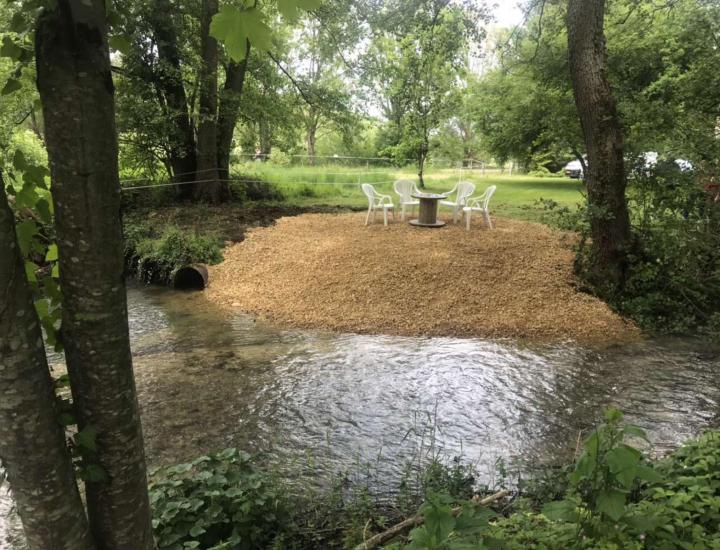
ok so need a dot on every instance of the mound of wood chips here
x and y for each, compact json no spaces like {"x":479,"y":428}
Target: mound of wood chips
{"x":329,"y":271}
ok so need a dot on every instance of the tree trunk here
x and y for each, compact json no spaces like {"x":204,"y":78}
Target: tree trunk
{"x":605,"y":177}
{"x":32,"y":442}
{"x":229,"y":111}
{"x":310,"y":134}
{"x":168,"y":79}
{"x":76,"y":91}
{"x":265,"y":137}
{"x":209,"y":188}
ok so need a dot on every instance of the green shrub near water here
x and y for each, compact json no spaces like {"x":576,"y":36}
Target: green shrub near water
{"x":673,"y":283}
{"x":156,"y":258}
{"x":615,"y":498}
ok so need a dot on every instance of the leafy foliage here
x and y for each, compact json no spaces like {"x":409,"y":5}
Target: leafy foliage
{"x":616,"y":499}
{"x":221,"y":501}
{"x":156,"y":258}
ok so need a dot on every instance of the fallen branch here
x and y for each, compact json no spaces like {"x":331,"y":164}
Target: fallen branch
{"x":415,"y":521}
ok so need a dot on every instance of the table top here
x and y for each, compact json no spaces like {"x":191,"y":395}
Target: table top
{"x":431,"y":196}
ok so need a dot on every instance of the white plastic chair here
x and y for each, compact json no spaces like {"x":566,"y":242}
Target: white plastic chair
{"x":463,"y":190}
{"x":377,"y":200}
{"x":406,"y":188}
{"x":479,"y":204}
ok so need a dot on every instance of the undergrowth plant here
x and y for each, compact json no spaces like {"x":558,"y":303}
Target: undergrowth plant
{"x":157,"y":258}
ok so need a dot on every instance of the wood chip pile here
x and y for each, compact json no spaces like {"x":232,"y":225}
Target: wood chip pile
{"x":330,"y":272}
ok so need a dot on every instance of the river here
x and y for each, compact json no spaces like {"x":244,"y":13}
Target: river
{"x":208,"y":381}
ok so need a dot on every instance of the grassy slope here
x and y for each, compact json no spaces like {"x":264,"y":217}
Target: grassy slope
{"x":516,"y":196}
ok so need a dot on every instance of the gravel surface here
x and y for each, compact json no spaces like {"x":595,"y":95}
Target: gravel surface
{"x":330,"y":272}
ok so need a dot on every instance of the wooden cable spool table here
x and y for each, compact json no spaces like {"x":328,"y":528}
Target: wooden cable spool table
{"x":428,"y":209}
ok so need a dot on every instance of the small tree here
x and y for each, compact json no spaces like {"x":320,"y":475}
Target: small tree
{"x":604,"y":142}
{"x":76,"y":91}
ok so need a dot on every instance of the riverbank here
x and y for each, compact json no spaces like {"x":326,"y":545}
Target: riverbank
{"x":330,"y":272}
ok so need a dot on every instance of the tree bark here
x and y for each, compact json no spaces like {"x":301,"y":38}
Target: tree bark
{"x":265,"y":136}
{"x":32,"y":442}
{"x":168,"y":79}
{"x":605,"y":176}
{"x":76,"y":91}
{"x":229,"y":110}
{"x":311,"y":133}
{"x":209,"y":189}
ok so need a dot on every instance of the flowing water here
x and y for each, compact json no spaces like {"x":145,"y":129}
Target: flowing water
{"x":206,"y":381}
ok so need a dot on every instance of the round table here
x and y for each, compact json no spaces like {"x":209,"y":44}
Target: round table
{"x":428,"y":209}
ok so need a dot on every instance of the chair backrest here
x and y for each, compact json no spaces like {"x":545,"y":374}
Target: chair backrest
{"x":369,"y":191}
{"x":487,"y":195}
{"x":483,"y":201}
{"x":464,"y":190}
{"x":405,"y":188}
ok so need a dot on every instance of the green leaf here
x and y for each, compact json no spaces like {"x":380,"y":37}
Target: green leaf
{"x":30,"y":270}
{"x":52,"y":253}
{"x":196,"y":531}
{"x":636,"y":431}
{"x":119,"y":43}
{"x":19,"y":162}
{"x":12,"y":85}
{"x":26,"y":231}
{"x":290,"y":9}
{"x":563,"y":510}
{"x":611,"y":503}
{"x":66,"y":419}
{"x":10,"y":49}
{"x":35,"y":175}
{"x":648,"y":474}
{"x":622,"y":461}
{"x":87,"y":438}
{"x":44,"y":210}
{"x":234,"y":27}
{"x":95,"y":473}
{"x":18,"y":23}
{"x":56,"y":271}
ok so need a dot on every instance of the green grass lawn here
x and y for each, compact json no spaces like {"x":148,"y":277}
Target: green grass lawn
{"x":516,"y":196}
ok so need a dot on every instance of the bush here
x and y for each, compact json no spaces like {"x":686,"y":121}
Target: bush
{"x":253,"y":188}
{"x":280,"y":158}
{"x":616,"y":499}
{"x":221,"y":501}
{"x":673,"y":283}
{"x":155,"y":259}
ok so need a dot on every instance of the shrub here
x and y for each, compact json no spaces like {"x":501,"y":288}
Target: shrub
{"x":616,"y":499}
{"x":673,"y":283}
{"x":221,"y":501}
{"x":253,"y":188}
{"x":155,"y":259}
{"x":280,"y":158}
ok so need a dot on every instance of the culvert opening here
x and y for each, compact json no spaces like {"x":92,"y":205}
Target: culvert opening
{"x":191,"y":277}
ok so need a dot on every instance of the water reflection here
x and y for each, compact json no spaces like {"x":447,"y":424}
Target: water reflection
{"x":206,"y":382}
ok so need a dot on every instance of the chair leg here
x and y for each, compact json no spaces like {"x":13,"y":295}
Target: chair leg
{"x":486,"y":215}
{"x":467,"y":219}
{"x":402,"y":213}
{"x":367,"y":218}
{"x":385,"y":216}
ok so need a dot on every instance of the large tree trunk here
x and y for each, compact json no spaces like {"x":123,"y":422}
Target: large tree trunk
{"x":606,"y":180}
{"x":229,"y":111}
{"x":209,"y":188}
{"x":168,"y":80}
{"x":265,"y":136}
{"x":76,"y":90}
{"x":32,"y":442}
{"x":310,"y":135}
